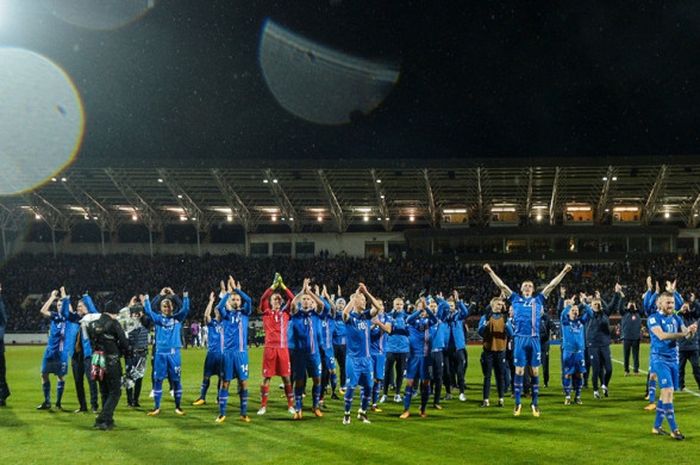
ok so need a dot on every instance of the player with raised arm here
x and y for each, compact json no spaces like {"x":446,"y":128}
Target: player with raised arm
{"x":306,"y":358}
{"x":456,"y":355}
{"x":527,"y":311}
{"x":665,"y":328}
{"x":417,"y":369}
{"x":358,"y":321}
{"x":235,"y":308}
{"x":55,"y":359}
{"x":328,"y":362}
{"x":382,"y":325}
{"x":167,"y":361}
{"x":215,"y":347}
{"x":275,"y":316}
{"x":573,"y":347}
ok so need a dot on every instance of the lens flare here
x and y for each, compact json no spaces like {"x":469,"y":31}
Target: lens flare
{"x":101,"y":15}
{"x":41,"y":120}
{"x":317,"y":83}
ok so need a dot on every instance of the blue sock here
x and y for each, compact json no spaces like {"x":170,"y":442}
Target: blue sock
{"x":375,"y":391}
{"x":316,"y":390}
{"x":578,"y":382}
{"x":223,"y":401}
{"x":334,"y":382}
{"x":244,"y":402}
{"x":567,"y":387}
{"x":670,"y":416}
{"x":349,"y":393}
{"x":46,"y":387}
{"x":203,"y":390}
{"x":298,"y":398}
{"x":177,"y":387}
{"x":407,"y":395}
{"x":518,"y":388}
{"x":652,"y":390}
{"x":157,"y":393}
{"x":366,"y":397}
{"x":535,"y":390}
{"x":660,"y":413}
{"x":424,"y":396}
{"x":60,"y":385}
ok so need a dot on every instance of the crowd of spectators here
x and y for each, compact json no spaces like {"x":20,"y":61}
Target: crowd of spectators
{"x":28,"y":279}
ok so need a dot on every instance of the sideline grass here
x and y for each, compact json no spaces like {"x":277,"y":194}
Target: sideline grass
{"x":614,"y":430}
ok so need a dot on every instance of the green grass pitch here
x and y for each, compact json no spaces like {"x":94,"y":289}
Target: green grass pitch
{"x":614,"y":430}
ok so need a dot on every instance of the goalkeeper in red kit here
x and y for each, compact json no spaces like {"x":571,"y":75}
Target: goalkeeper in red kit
{"x":276,"y":356}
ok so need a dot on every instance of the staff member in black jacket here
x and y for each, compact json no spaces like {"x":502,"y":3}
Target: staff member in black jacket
{"x":4,"y":388}
{"x":631,"y":335}
{"x":688,"y":349}
{"x":108,"y":341}
{"x":598,"y":342}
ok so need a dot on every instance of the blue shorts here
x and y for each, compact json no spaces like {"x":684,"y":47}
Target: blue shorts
{"x":54,"y":364}
{"x":379,"y":362}
{"x":328,"y":359}
{"x":305,"y":364}
{"x":167,"y":365}
{"x":418,"y":367}
{"x":358,"y":371}
{"x":234,"y":364}
{"x":213,"y":364}
{"x":666,"y":372}
{"x":573,"y":362}
{"x":526,"y":351}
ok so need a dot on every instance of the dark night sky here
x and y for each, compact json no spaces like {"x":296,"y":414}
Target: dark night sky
{"x":478,"y":79}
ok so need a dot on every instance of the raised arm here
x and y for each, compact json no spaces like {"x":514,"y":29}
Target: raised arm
{"x":348,"y":308}
{"x":154,"y":317}
{"x":247,"y":307}
{"x":210,"y":307}
{"x":376,"y":303}
{"x":498,"y":281}
{"x":555,"y":282}
{"x":46,"y":308}
{"x":89,"y":303}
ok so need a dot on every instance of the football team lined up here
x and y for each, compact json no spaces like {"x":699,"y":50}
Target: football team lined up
{"x":310,"y":334}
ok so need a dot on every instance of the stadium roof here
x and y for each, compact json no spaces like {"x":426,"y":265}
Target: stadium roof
{"x":334,"y":195}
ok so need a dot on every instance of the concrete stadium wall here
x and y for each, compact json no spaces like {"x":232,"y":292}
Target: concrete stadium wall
{"x":26,"y":338}
{"x":351,"y":244}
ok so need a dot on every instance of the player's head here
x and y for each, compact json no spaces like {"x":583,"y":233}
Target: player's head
{"x":306,"y":302}
{"x":57,"y":308}
{"x":234,"y":301}
{"x":360,"y":301}
{"x":573,"y":312}
{"x":666,"y":303}
{"x":136,"y":311}
{"x":451,"y":301}
{"x":410,"y":308}
{"x":527,"y":288}
{"x":276,"y":301}
{"x":340,"y":304}
{"x":596,"y":305}
{"x":497,"y":305}
{"x":166,"y":307}
{"x":433,"y":305}
{"x":398,"y":304}
{"x":81,"y":308}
